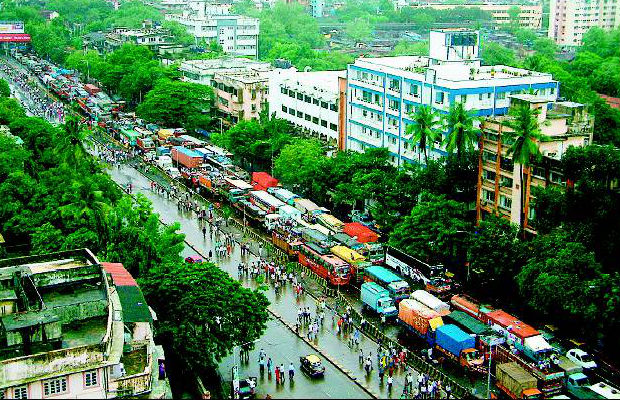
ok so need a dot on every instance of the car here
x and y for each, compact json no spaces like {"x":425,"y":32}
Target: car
{"x":194,"y":260}
{"x":581,"y":358}
{"x":311,"y":365}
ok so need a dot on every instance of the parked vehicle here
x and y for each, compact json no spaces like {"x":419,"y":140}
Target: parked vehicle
{"x":430,"y":301}
{"x":459,"y":347}
{"x":419,"y":319}
{"x":377,"y":299}
{"x":603,"y":389}
{"x":173,"y":172}
{"x":398,"y":288}
{"x":186,"y":157}
{"x":247,"y":388}
{"x":410,"y":266}
{"x":326,"y":265}
{"x":330,"y":222}
{"x":311,"y":365}
{"x":516,"y":382}
{"x":581,"y":358}
{"x":194,"y":259}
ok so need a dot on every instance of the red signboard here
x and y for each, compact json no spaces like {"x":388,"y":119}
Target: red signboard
{"x":14,"y":37}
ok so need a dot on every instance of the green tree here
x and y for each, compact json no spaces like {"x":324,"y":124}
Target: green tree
{"x":462,"y":136}
{"x":433,"y":230}
{"x":173,"y":103}
{"x":424,"y":131}
{"x":526,"y":134}
{"x":299,"y":162}
{"x":203,"y":312}
{"x":405,"y":48}
{"x":514,"y":14}
{"x":358,"y":29}
{"x":496,"y":54}
{"x":5,"y":89}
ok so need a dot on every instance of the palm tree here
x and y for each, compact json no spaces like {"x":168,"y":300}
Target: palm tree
{"x":70,"y":143}
{"x":461,"y":132}
{"x":526,"y":135}
{"x":425,"y":129}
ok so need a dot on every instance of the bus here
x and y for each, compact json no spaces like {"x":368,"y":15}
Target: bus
{"x":373,"y":252}
{"x":355,"y":259}
{"x":410,"y":266}
{"x":265,"y":201}
{"x":336,"y":271}
{"x":330,"y":222}
{"x":398,"y":288}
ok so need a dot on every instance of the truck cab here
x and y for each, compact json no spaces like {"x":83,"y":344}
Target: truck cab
{"x":399,"y":290}
{"x":378,"y":299}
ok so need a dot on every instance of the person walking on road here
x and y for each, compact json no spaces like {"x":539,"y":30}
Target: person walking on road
{"x":282,"y":373}
{"x":291,"y":371}
{"x":361,"y":356}
{"x":269,"y":367}
{"x":277,"y":375}
{"x":261,"y":364}
{"x":390,"y":381}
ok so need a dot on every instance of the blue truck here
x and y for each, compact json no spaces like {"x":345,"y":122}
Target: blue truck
{"x":459,"y":347}
{"x":377,"y":299}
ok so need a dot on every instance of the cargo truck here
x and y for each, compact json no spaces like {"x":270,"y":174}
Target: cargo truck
{"x":516,"y":382}
{"x":459,"y":347}
{"x":430,"y":301}
{"x":419,"y":319}
{"x":377,"y":299}
{"x":399,"y":289}
{"x":186,"y":157}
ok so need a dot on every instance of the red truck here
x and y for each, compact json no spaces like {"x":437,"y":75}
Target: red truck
{"x":186,"y":157}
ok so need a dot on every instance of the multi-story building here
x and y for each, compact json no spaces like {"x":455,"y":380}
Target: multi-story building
{"x":313,"y":101}
{"x":530,"y":15}
{"x":153,"y":38}
{"x":383,"y":92}
{"x":317,"y":8}
{"x":202,"y":71}
{"x":208,"y":21}
{"x":562,"y":124}
{"x":241,"y":95}
{"x":73,"y":327}
{"x":569,"y":20}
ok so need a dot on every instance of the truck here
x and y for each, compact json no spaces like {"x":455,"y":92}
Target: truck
{"x":516,"y":382}
{"x":377,"y":299}
{"x":578,"y":387}
{"x":419,"y":319}
{"x":186,"y":157}
{"x":398,"y":288}
{"x":459,"y":347}
{"x":430,"y":301}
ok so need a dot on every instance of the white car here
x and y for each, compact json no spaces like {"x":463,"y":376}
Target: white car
{"x":581,"y":358}
{"x":173,"y":172}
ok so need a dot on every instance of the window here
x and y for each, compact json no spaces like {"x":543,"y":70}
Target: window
{"x":488,"y":195}
{"x":414,"y":90}
{"x":300,"y":114}
{"x":324,"y":104}
{"x":91,"y":378}
{"x":291,"y":94}
{"x":395,"y":85}
{"x":333,"y":127}
{"x":284,"y":109}
{"x":20,"y":392}
{"x":488,"y":156}
{"x":307,"y":99}
{"x":316,"y":101}
{"x":552,"y":91}
{"x":505,"y":202}
{"x":54,"y":386}
{"x":333,"y":107}
{"x":283,"y":90}
{"x":366,"y":96}
{"x":253,"y":107}
{"x":439,"y":97}
{"x":377,"y":99}
{"x":308,"y":117}
{"x":501,"y":95}
{"x":365,"y":113}
{"x":394,"y":105}
{"x":315,"y":120}
{"x":291,"y":111}
{"x":505,"y":182}
{"x":300,"y":96}
{"x":406,"y":145}
{"x":490,"y":175}
{"x":324,"y":123}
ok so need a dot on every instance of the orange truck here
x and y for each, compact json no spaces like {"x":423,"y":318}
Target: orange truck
{"x":419,"y":319}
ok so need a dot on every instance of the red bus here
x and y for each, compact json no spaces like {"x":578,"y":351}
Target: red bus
{"x":324,"y":264}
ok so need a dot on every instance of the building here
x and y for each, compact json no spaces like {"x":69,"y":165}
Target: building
{"x":210,"y":21}
{"x":562,"y":124}
{"x":530,"y":15}
{"x":313,"y":101}
{"x":153,"y":38}
{"x":241,"y":95}
{"x":72,"y":327}
{"x":569,"y":20}
{"x":202,"y":71}
{"x":317,"y":8}
{"x":383,"y":92}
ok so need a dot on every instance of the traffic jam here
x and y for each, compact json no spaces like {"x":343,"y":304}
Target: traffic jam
{"x":455,"y":331}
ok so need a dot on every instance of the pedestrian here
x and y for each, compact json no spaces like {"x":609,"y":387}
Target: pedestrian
{"x":390,"y":380}
{"x":204,"y":232}
{"x":261,"y":364}
{"x":448,"y":391}
{"x":269,"y":367}
{"x":277,"y":375}
{"x":210,"y":254}
{"x":282,"y":373}
{"x":291,"y":371}
{"x":361,"y":356}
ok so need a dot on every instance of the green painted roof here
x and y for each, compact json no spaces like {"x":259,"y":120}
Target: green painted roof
{"x":468,"y":322}
{"x":134,"y":306}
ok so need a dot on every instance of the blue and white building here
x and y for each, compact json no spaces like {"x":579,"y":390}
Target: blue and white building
{"x":383,"y":92}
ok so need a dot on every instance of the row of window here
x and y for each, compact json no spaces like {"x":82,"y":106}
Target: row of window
{"x":52,"y":387}
{"x":309,"y":118}
{"x":309,"y":99}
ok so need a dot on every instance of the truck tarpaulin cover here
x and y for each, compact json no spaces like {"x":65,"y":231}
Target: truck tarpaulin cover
{"x":363,"y":233}
{"x":515,"y":378}
{"x":453,"y":339}
{"x":416,"y":315}
{"x":262,"y":181}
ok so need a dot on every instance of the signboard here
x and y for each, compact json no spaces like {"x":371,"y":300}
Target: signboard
{"x":14,"y":37}
{"x":11,"y":27}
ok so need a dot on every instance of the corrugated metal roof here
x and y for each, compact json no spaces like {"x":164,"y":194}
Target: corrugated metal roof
{"x":134,"y":305}
{"x":120,"y":276}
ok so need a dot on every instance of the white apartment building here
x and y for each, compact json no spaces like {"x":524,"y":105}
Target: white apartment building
{"x":530,"y":16}
{"x":569,"y":20}
{"x":236,"y":34}
{"x":311,"y":101}
{"x":383,"y":92}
